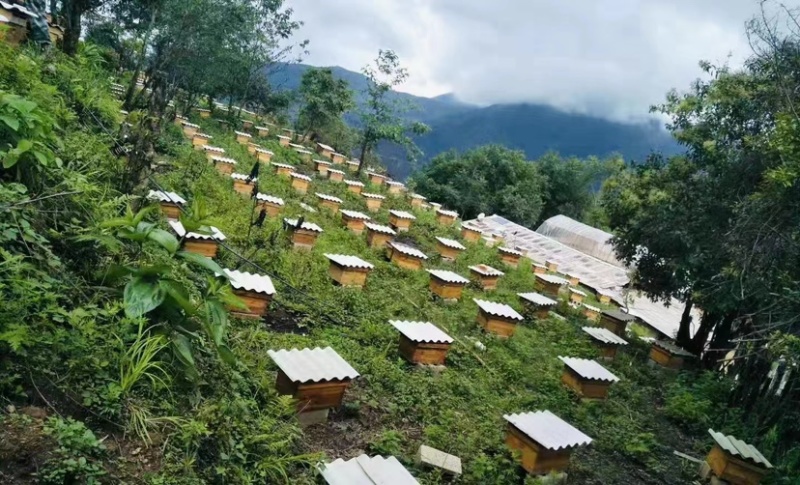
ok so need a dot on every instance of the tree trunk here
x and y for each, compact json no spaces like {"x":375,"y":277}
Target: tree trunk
{"x":707,"y":324}
{"x":72,"y":30}
{"x":684,"y":337}
{"x":719,"y":345}
{"x":362,"y":158}
{"x":139,"y":62}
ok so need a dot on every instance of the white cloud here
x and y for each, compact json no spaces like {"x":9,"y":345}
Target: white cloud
{"x":611,"y":58}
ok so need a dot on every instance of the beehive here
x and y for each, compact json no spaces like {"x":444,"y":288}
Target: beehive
{"x":591,"y":312}
{"x":263,"y":131}
{"x":242,"y":184}
{"x":373,"y":201}
{"x":470,"y":233}
{"x":316,"y":378}
{"x":199,"y":140}
{"x":335,"y":175}
{"x":401,"y":220}
{"x":544,"y":441}
{"x":212,"y":152}
{"x":405,"y":256}
{"x":735,"y":461}
{"x":497,"y":318}
{"x":224,"y":165}
{"x":273,"y":205}
{"x":603,"y":298}
{"x":550,"y":285}
{"x":300,"y":182}
{"x":537,"y":303}
{"x":538,"y":268}
{"x":243,"y":138}
{"x":348,"y":270}
{"x":304,"y":236}
{"x":169,"y":202}
{"x":264,"y":155}
{"x":587,"y":378}
{"x":189,"y":129}
{"x":283,"y":169}
{"x":376,"y":178}
{"x":321,"y":167}
{"x":352,"y":166}
{"x":576,"y":295}
{"x":325,"y":150}
{"x":354,"y":220}
{"x":616,"y":321}
{"x":329,"y":202}
{"x":422,"y":342}
{"x":669,"y":355}
{"x":395,"y":188}
{"x":551,"y":266}
{"x":377,"y":235}
{"x":198,"y":242}
{"x":247,"y":124}
{"x":573,"y":280}
{"x":338,"y":158}
{"x":416,"y":200}
{"x":605,"y":340}
{"x":445,"y":217}
{"x":509,"y":256}
{"x":446,"y":284}
{"x":251,"y":148}
{"x":449,"y":249}
{"x":354,"y":186}
{"x":255,"y":291}
{"x":485,"y":276}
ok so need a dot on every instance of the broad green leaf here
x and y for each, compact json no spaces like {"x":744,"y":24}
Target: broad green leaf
{"x":226,"y":355}
{"x":141,"y":214}
{"x":142,"y":296}
{"x":203,"y":261}
{"x":11,"y":122}
{"x":218,"y":320}
{"x":23,"y":146}
{"x":178,"y":294}
{"x":182,"y":348}
{"x":165,"y":239}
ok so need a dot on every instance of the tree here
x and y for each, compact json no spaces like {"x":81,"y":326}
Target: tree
{"x":489,"y":179}
{"x":324,"y":99}
{"x":380,"y":118}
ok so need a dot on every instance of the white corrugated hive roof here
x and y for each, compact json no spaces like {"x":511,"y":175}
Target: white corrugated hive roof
{"x":165,"y":196}
{"x":329,"y":198}
{"x":417,"y":196}
{"x":282,"y":165}
{"x":470,"y":227}
{"x":312,"y":365}
{"x":506,"y":250}
{"x":589,"y":369}
{"x":242,"y":176}
{"x":402,"y":214}
{"x":451,"y":243}
{"x":577,"y":291}
{"x":547,"y":429}
{"x":537,"y":299}
{"x":308,"y":226}
{"x":486,"y":270}
{"x":209,"y":148}
{"x":592,"y":308}
{"x":264,"y":150}
{"x":242,"y":280}
{"x":557,"y":280}
{"x":269,"y":198}
{"x":203,"y":135}
{"x":448,"y":276}
{"x":333,"y":170}
{"x":372,"y":196}
{"x":364,"y":470}
{"x":421,"y":332}
{"x":321,"y":162}
{"x":224,"y":160}
{"x":325,"y":147}
{"x":498,"y":309}
{"x":300,"y":176}
{"x":354,"y":183}
{"x":408,"y":250}
{"x":672,"y":348}
{"x":355,"y":214}
{"x":739,"y":448}
{"x":216,"y":234}
{"x":380,"y":228}
{"x":446,"y":212}
{"x":349,"y":261}
{"x":241,"y":133}
{"x":605,"y":335}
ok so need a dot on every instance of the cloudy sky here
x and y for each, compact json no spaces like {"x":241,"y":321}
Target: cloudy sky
{"x":611,"y":58}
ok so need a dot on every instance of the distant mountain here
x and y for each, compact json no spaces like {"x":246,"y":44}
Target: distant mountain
{"x":534,"y":129}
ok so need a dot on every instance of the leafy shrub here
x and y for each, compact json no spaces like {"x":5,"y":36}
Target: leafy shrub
{"x":692,"y":399}
{"x":77,"y":457}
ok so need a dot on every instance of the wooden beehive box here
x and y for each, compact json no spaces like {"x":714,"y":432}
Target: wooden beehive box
{"x":263,"y":131}
{"x":178,"y":118}
{"x":377,"y":235}
{"x":576,"y":295}
{"x":587,"y":378}
{"x":264,"y":155}
{"x":422,"y":342}
{"x":352,"y":166}
{"x":348,"y":270}
{"x":606,"y":341}
{"x":251,"y":148}
{"x":616,"y":321}
{"x":603,"y":298}
{"x":284,"y":141}
{"x":304,"y":236}
{"x":224,"y":165}
{"x":509,"y":256}
{"x":401,"y":220}
{"x":316,"y":378}
{"x":300,"y":182}
{"x":195,"y":242}
{"x":469,"y":233}
{"x":169,"y":202}
{"x":416,"y":200}
{"x":591,"y":312}
{"x":446,"y":284}
{"x":243,"y":138}
{"x":573,"y":280}
{"x":189,"y":129}
{"x":666,"y":354}
{"x":329,"y":202}
{"x":735,"y":461}
{"x":449,"y":249}
{"x":212,"y":152}
{"x":537,"y":303}
{"x":325,"y":150}
{"x":497,"y":318}
{"x":405,"y":256}
{"x":335,"y":175}
{"x":56,"y":32}
{"x":255,"y":291}
{"x":242,"y":185}
{"x":354,"y":221}
{"x":354,"y":186}
{"x":204,"y":113}
{"x":538,"y":268}
{"x":338,"y":158}
{"x":321,"y":167}
{"x":283,"y":169}
{"x":486,"y":276}
{"x":247,"y":124}
{"x":199,"y":140}
{"x":395,"y":188}
{"x":15,"y":23}
{"x":544,"y":441}
{"x":373,"y":201}
{"x":550,"y":285}
{"x":273,"y":205}
{"x":288,"y":133}
{"x":376,"y":178}
{"x":551,"y":266}
{"x":445,"y":217}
